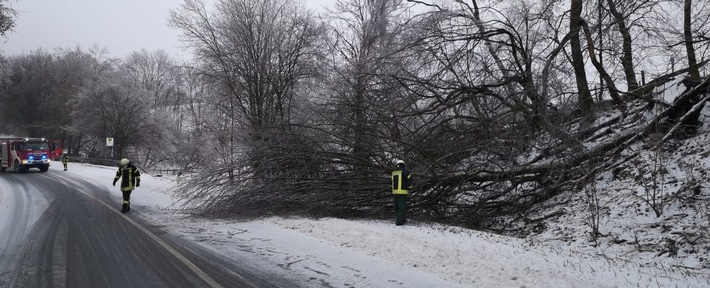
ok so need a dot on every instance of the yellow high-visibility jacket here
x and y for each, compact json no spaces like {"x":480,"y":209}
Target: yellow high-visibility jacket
{"x":401,"y":181}
{"x":131,"y":177}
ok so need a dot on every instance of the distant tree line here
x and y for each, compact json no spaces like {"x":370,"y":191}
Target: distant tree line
{"x":284,"y":111}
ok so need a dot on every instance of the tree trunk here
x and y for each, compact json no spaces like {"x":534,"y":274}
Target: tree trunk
{"x":687,"y":33}
{"x":586,"y":102}
{"x":613,"y":92}
{"x":627,"y":60}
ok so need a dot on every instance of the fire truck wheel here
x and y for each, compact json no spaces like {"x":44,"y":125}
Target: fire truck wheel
{"x":19,"y":168}
{"x":44,"y":168}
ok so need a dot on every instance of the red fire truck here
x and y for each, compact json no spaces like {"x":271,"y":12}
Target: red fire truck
{"x":56,"y":149}
{"x":21,"y":154}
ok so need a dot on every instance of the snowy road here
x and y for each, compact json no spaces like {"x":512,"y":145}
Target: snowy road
{"x":57,"y":230}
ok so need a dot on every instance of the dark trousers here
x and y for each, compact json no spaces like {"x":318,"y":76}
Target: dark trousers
{"x":400,"y":208}
{"x":126,"y":200}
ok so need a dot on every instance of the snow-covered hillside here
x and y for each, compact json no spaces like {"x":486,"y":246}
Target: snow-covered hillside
{"x":653,"y":210}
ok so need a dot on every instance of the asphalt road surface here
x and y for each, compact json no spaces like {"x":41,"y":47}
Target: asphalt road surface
{"x":57,"y":230}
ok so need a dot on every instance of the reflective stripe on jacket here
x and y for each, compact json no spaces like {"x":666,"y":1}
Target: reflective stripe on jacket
{"x":401,"y":181}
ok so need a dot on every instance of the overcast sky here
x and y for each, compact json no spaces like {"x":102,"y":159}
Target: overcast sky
{"x":119,"y":26}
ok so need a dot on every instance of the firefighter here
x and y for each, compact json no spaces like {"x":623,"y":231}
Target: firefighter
{"x":130,"y":179}
{"x":65,"y":161}
{"x":401,"y":185}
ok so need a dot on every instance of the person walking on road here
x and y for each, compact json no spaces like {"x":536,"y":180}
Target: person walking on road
{"x":401,"y":186}
{"x":65,"y":161}
{"x":130,"y":179}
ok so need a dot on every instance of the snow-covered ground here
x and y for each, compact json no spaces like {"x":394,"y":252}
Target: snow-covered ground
{"x":343,"y":253}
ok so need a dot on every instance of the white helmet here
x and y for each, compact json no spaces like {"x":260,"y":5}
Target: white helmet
{"x":124,"y":161}
{"x":398,"y":161}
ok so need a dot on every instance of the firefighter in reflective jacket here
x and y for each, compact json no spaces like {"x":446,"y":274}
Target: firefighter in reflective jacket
{"x":401,"y":185}
{"x":65,"y":161}
{"x":130,"y":178}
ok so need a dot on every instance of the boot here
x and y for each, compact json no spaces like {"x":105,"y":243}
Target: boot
{"x":125,"y":208}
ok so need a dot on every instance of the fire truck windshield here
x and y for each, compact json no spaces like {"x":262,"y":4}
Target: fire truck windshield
{"x":36,"y":146}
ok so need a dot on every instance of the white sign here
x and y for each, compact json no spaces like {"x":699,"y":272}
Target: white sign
{"x":109,"y":141}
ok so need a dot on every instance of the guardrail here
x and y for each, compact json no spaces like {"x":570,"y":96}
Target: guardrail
{"x":167,"y":172}
{"x":116,"y":163}
{"x":95,"y":161}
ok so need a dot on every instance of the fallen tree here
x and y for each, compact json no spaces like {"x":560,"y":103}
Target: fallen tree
{"x":514,"y":191}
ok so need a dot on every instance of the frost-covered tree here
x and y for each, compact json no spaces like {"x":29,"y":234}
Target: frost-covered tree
{"x":155,"y":72}
{"x":7,"y":18}
{"x":254,"y":55}
{"x":114,"y":107}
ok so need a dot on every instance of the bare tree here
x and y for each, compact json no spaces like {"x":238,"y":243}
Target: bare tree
{"x":7,"y":22}
{"x":594,"y":210}
{"x":156,"y":73}
{"x":255,"y":54}
{"x":627,"y":58}
{"x":7,"y":18}
{"x":256,"y":51}
{"x":688,"y":39}
{"x":73,"y":71}
{"x":586,"y":102}
{"x":96,"y":67}
{"x":114,"y":108}
{"x":364,"y":102}
{"x":31,"y":94}
{"x":481,"y":98}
